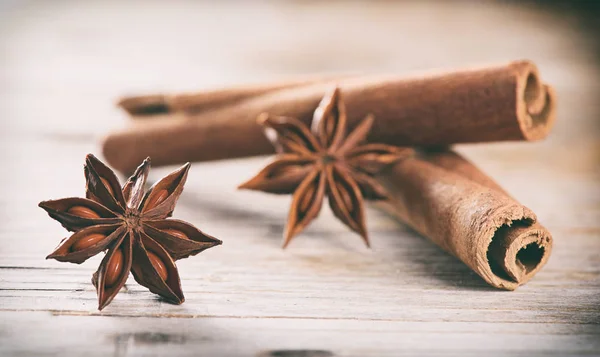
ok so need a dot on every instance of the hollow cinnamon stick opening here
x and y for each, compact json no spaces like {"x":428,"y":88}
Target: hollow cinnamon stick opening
{"x":451,"y":202}
{"x":509,"y":102}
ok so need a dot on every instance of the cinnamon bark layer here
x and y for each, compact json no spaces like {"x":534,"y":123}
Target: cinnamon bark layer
{"x":492,"y":104}
{"x":451,"y":202}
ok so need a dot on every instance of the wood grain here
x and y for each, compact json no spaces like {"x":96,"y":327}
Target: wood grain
{"x":64,"y":63}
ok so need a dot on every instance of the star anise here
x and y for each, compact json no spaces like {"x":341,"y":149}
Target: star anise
{"x":323,"y":161}
{"x":133,"y":228}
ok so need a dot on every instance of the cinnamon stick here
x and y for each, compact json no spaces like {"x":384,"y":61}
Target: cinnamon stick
{"x":148,"y":106}
{"x":509,"y":102}
{"x":451,"y":202}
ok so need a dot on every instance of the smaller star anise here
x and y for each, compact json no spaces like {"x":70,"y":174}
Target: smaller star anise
{"x":133,"y":228}
{"x":323,"y":161}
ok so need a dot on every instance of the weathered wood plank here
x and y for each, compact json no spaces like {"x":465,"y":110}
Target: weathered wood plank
{"x":139,"y":336}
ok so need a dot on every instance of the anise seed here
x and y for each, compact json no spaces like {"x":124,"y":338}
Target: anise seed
{"x":329,"y":128}
{"x":159,"y":265}
{"x":176,"y":233}
{"x":107,"y":185}
{"x":113,"y":268}
{"x":282,"y":171}
{"x":306,"y":199}
{"x":83,"y":212}
{"x":156,"y":199}
{"x":87,"y":241}
{"x":347,"y":199}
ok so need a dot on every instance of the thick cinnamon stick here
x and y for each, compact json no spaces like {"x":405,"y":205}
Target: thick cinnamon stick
{"x":451,"y":202}
{"x":491,"y":104}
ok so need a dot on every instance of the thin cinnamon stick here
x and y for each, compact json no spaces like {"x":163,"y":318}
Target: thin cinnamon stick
{"x":492,"y":104}
{"x":451,"y":202}
{"x":148,"y":106}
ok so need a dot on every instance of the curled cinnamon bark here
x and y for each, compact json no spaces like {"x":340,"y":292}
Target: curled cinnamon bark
{"x":451,"y":202}
{"x":509,"y":102}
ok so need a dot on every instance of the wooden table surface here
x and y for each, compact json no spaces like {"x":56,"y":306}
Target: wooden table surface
{"x":63,"y":64}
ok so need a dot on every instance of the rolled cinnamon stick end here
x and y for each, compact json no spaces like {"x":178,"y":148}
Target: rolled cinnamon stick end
{"x":492,"y":104}
{"x":448,"y":200}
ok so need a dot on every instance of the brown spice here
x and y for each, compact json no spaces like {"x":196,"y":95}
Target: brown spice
{"x":176,"y":233}
{"x":87,"y":241}
{"x":84,"y":212}
{"x":114,"y":268}
{"x":134,"y":230}
{"x":323,"y":162}
{"x":451,"y":202}
{"x":155,"y":198}
{"x":158,"y":265}
{"x":501,"y":103}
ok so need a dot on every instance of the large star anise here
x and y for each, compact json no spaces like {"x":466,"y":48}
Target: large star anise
{"x":132,"y":226}
{"x":323,"y":161}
